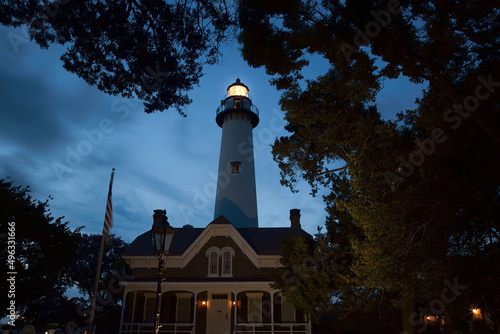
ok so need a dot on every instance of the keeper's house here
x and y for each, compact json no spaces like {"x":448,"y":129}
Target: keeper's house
{"x":217,"y":279}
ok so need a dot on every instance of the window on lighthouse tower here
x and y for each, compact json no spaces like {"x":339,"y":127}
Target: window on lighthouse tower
{"x":237,"y":104}
{"x":235,"y":167}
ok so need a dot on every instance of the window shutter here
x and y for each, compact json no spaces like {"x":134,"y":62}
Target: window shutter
{"x":150,"y":306}
{"x":183,"y":309}
{"x":139,"y":311}
{"x":172,"y":301}
{"x":277,"y":308}
{"x":191,"y":313}
{"x":287,"y":311}
{"x":164,"y":308}
{"x":130,"y":307}
{"x":266,"y":308}
{"x":255,"y":307}
{"x":301,"y":317}
{"x":243,"y":311}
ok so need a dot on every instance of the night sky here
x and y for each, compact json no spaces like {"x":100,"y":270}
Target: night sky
{"x":62,"y":138}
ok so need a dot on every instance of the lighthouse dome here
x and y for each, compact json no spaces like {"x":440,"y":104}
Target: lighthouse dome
{"x":237,"y":101}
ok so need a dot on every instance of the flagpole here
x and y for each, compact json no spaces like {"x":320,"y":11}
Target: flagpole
{"x":108,"y":222}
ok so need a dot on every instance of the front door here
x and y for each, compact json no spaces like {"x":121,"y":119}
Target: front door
{"x":219,"y":314}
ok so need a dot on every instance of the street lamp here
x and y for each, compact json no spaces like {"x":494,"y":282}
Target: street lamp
{"x":163,"y":234}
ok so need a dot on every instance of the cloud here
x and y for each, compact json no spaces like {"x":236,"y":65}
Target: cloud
{"x":62,"y":138}
{"x":23,"y":122}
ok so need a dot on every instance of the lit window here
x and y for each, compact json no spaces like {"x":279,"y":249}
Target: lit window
{"x":237,"y":104}
{"x":213,"y":263}
{"x":254,"y":307}
{"x":235,"y":167}
{"x":183,"y":309}
{"x":287,"y":311}
{"x":226,"y":263}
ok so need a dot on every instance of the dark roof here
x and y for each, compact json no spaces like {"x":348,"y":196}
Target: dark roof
{"x":143,"y":244}
{"x":263,"y":240}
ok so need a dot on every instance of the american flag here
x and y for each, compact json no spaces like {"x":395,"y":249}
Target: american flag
{"x":108,"y":219}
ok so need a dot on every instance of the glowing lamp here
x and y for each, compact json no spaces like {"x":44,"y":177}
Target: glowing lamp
{"x":237,"y":89}
{"x":476,"y":313}
{"x":163,"y":235}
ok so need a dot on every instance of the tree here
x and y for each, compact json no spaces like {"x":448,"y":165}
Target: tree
{"x":43,"y":251}
{"x":151,"y":50}
{"x":83,"y":269}
{"x":422,"y":191}
{"x":448,"y":44}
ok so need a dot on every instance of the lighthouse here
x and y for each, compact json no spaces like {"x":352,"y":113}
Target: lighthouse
{"x":236,"y":197}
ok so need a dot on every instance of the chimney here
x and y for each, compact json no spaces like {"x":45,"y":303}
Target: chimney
{"x":295,"y":218}
{"x":158,"y":216}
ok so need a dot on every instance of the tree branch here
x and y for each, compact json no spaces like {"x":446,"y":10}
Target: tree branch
{"x":332,"y":170}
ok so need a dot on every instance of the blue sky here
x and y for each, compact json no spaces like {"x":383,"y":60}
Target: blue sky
{"x":62,"y":138}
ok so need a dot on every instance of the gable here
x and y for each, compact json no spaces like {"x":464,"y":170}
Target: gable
{"x":259,"y":245}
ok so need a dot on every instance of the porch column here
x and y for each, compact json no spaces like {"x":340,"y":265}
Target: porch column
{"x":123,"y":309}
{"x":272,"y":311}
{"x":135,"y":303}
{"x":194,"y":310}
{"x":235,"y":311}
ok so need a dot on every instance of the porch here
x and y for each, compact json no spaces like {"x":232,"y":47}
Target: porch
{"x":219,"y":310}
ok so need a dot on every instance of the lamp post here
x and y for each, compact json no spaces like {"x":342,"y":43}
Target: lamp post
{"x":163,"y":234}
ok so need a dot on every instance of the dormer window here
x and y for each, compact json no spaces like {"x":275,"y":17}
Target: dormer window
{"x":215,"y":257}
{"x":226,"y":263}
{"x":213,"y":265}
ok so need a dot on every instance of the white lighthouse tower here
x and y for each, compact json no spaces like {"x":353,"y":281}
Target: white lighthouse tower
{"x":236,"y":197}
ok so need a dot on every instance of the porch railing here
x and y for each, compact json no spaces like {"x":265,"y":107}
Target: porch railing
{"x":277,"y":328}
{"x":166,"y":328}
